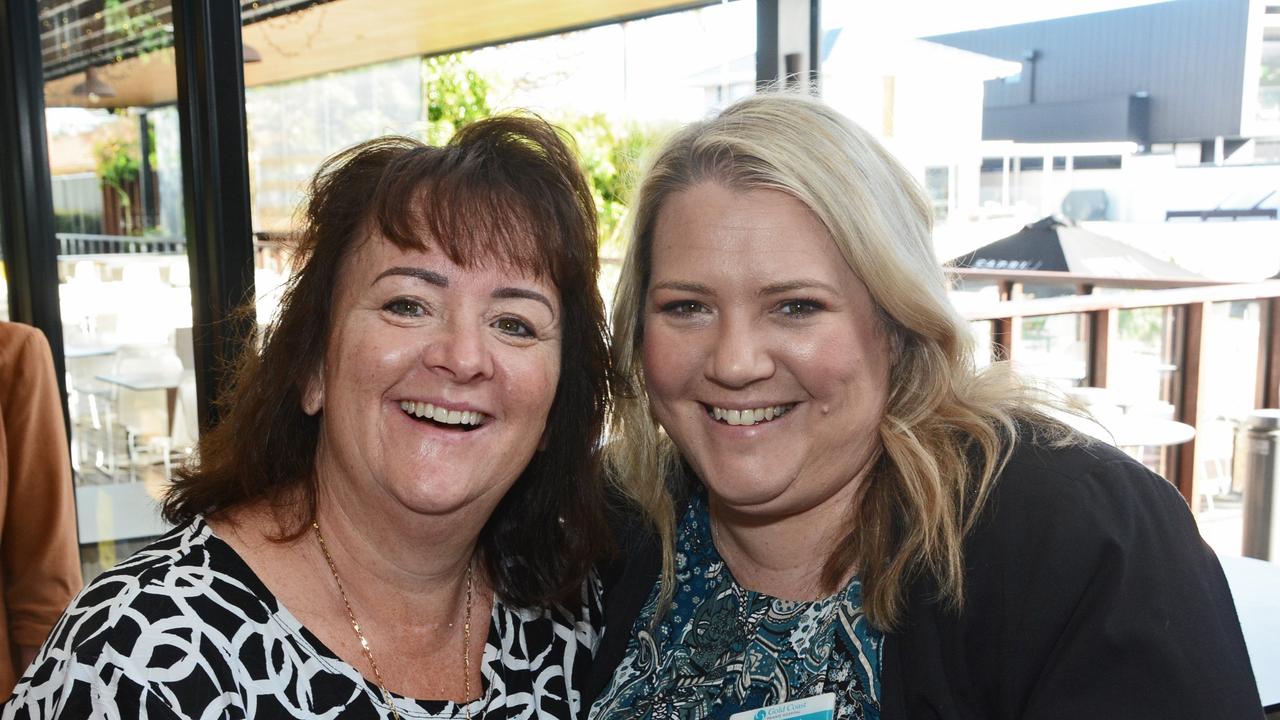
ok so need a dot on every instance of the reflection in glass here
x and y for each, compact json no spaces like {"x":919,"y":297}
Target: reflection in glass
{"x":124,"y":280}
{"x":1053,"y":348}
{"x":1142,"y":371}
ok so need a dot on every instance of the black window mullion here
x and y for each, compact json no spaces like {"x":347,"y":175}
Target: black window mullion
{"x":766,"y":42}
{"x":26,"y":196}
{"x":215,"y":173}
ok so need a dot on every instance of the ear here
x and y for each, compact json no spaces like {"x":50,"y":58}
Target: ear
{"x":313,"y":393}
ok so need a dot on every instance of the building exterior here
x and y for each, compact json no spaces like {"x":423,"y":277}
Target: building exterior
{"x":1200,"y":72}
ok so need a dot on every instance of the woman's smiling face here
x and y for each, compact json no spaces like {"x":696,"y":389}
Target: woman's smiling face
{"x":763,"y":354}
{"x":437,"y":379}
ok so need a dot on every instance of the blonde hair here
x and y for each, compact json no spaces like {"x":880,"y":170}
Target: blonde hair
{"x":947,"y":428}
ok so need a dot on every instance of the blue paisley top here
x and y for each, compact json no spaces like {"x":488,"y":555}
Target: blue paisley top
{"x":722,"y":649}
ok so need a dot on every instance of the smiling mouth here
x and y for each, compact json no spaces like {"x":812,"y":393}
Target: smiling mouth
{"x":424,"y":412}
{"x":752,"y":416}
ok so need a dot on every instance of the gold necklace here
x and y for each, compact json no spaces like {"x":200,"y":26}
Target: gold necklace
{"x":368,"y":653}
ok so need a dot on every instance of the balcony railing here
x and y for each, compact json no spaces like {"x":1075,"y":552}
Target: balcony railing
{"x":85,"y":244}
{"x":1190,"y":307}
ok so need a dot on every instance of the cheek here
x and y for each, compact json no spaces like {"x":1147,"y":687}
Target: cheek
{"x":530,"y":383}
{"x":359,"y":358}
{"x":669,"y":365}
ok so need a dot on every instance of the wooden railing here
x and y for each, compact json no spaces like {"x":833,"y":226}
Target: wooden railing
{"x":1190,"y":303}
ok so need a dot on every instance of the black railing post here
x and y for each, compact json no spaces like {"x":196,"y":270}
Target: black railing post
{"x":215,"y":174}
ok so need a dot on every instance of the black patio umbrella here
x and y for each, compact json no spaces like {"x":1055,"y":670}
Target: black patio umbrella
{"x":1051,"y":244}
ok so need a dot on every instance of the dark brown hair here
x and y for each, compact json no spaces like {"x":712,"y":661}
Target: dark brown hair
{"x":504,"y":190}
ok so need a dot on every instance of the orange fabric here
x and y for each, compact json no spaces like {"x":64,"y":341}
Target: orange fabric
{"x":39,"y":558}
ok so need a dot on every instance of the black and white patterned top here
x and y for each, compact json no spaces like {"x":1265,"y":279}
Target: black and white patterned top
{"x":184,"y":629}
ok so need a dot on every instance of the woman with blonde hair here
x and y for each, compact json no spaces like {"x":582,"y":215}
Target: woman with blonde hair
{"x":842,"y":516}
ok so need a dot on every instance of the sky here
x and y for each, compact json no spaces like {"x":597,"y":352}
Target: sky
{"x":918,"y":18}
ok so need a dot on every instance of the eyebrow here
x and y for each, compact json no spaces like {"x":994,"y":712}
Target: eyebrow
{"x":508,"y":293}
{"x":435,"y":278}
{"x":427,"y":276}
{"x":682,"y":286}
{"x":794,"y":285}
{"x":774,"y":289}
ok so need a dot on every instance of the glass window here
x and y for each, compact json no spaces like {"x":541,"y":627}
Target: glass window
{"x":1054,"y":349}
{"x":1227,"y":393}
{"x":124,"y":280}
{"x":614,"y":87}
{"x":937,"y":185}
{"x":1142,"y":371}
{"x":1268,"y":113}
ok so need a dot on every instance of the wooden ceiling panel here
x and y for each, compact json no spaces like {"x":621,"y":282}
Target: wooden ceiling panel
{"x":345,"y":34}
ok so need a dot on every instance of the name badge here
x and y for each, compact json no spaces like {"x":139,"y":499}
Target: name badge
{"x":818,"y":707}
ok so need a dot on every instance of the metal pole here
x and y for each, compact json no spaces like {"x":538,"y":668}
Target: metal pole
{"x":1261,"y":445}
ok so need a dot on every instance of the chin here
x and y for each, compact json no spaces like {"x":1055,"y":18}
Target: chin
{"x":731,"y":489}
{"x":435,"y":499}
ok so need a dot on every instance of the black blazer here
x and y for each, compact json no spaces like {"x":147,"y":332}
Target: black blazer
{"x":1088,"y":594}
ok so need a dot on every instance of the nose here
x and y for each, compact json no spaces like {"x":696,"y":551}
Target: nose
{"x":741,"y":354}
{"x":460,"y":352}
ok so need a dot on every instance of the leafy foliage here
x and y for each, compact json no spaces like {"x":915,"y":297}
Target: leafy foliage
{"x":1144,"y":325}
{"x":455,"y":95}
{"x":119,"y":162}
{"x":138,"y":24}
{"x":610,"y":152}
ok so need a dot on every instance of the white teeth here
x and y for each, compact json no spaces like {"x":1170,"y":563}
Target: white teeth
{"x":749,"y":417}
{"x":442,"y":415}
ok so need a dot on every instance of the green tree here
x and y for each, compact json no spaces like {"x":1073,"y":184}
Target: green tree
{"x":611,"y":153}
{"x":455,"y":96}
{"x":119,"y":163}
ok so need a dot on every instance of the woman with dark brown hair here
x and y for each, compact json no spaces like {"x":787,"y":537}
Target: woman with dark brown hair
{"x":398,"y":513}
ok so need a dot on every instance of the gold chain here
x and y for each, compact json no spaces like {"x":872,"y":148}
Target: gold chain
{"x":368,"y":653}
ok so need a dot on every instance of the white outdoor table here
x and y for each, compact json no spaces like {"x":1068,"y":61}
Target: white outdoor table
{"x":165,"y":380}
{"x":1131,"y":431}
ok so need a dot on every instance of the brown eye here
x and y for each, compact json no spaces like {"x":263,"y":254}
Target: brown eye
{"x":514,"y":327}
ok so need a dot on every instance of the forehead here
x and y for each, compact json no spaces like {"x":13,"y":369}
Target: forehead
{"x":709,"y":229}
